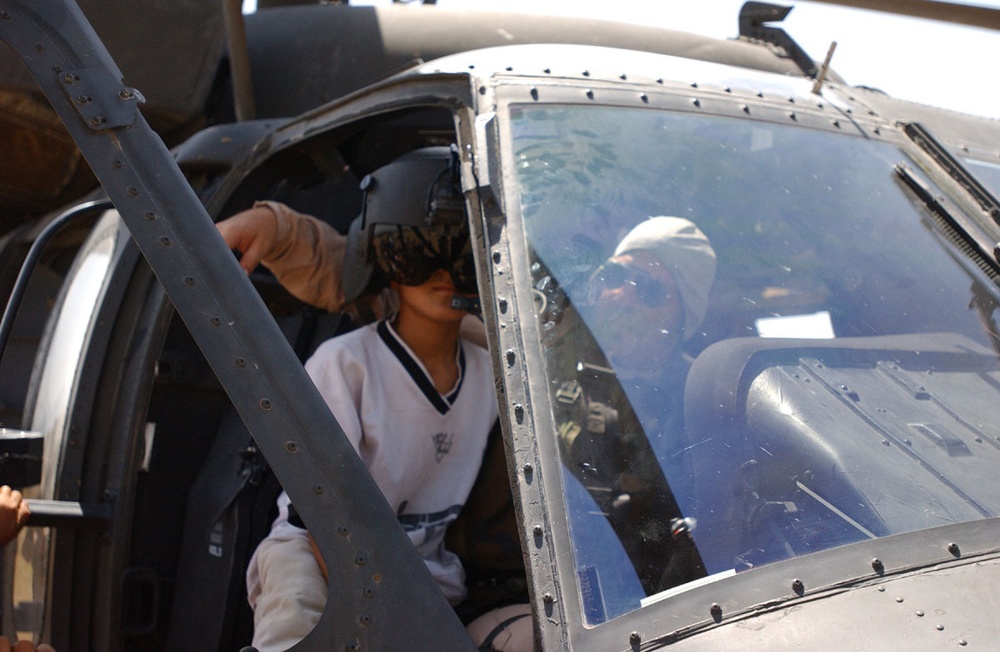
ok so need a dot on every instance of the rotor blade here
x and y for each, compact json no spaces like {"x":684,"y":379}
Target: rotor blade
{"x":947,"y":12}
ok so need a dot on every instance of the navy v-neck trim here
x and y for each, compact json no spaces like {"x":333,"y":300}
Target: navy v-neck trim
{"x":441,"y":404}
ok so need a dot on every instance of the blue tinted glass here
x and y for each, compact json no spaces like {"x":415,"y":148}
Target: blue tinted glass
{"x":758,"y":345}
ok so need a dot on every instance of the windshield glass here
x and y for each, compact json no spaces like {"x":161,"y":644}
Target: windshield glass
{"x":757,"y":345}
{"x":987,"y":173}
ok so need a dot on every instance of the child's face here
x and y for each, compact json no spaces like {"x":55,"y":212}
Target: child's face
{"x":432,"y":298}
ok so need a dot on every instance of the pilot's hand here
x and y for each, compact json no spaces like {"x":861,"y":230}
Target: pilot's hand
{"x":23,"y":646}
{"x":251,"y":233}
{"x":14,"y":514}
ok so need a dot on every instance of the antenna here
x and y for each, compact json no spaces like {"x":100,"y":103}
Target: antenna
{"x":821,"y":75}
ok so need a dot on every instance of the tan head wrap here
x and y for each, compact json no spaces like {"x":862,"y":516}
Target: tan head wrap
{"x":687,"y":253}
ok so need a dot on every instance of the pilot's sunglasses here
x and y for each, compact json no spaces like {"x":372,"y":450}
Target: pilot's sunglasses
{"x":611,"y":276}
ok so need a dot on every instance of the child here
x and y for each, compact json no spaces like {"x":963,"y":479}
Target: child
{"x":416,"y":401}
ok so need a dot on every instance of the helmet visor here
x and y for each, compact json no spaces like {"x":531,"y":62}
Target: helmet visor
{"x":410,"y":255}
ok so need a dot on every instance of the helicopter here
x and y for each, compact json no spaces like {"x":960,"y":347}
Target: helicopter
{"x":834,"y":472}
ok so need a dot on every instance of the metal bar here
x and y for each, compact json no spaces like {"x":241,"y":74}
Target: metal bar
{"x":239,"y":60}
{"x":987,"y":203}
{"x":34,"y":254}
{"x":62,"y":513}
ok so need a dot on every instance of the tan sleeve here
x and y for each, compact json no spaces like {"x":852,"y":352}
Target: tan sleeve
{"x":307,"y":257}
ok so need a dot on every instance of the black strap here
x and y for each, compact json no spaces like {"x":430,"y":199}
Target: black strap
{"x":487,"y":645}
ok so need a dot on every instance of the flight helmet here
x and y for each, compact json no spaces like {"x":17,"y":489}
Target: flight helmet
{"x":412,"y":223}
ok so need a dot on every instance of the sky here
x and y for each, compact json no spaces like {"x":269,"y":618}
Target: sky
{"x":931,"y":62}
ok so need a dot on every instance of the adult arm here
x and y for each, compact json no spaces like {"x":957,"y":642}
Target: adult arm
{"x":306,"y":255}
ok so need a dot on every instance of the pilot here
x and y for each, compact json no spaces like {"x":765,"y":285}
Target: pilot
{"x":620,"y":409}
{"x":414,"y":398}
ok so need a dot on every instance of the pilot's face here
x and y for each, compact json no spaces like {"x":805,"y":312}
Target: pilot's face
{"x":639,"y":314}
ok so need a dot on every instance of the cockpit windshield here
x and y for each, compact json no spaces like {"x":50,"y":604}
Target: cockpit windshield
{"x":986,"y":172}
{"x":757,"y":344}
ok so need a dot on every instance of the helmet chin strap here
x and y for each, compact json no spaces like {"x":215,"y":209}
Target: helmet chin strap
{"x":468,"y":304}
